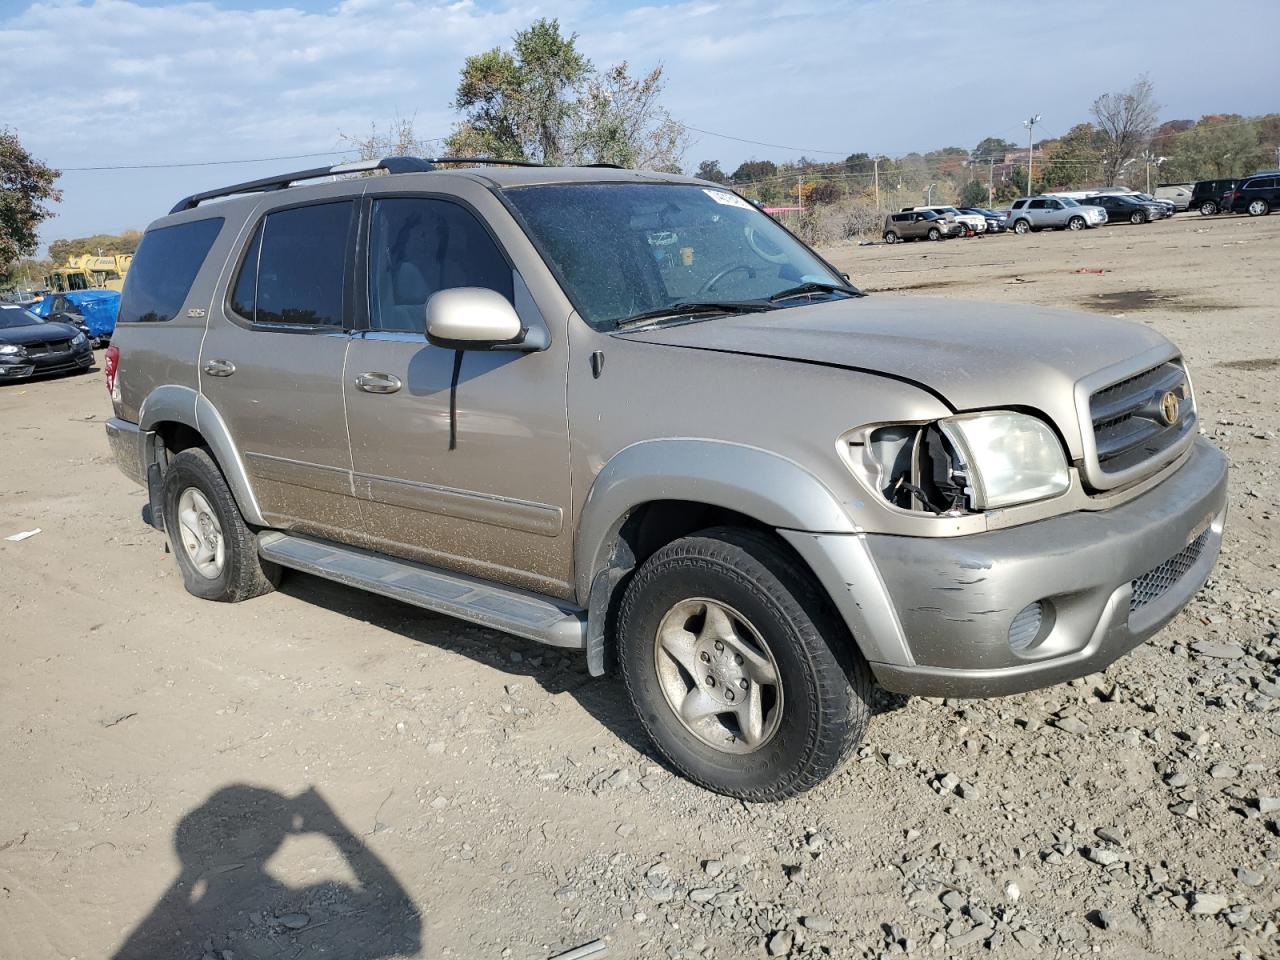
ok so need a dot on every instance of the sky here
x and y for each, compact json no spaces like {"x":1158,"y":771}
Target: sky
{"x":93,"y":83}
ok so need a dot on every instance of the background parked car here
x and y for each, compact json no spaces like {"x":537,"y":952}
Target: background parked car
{"x":1256,"y":196}
{"x":93,"y":311}
{"x":975,"y":224}
{"x":1206,"y":195}
{"x":1179,"y":194}
{"x":1122,"y":207}
{"x":1167,"y":207}
{"x":918,"y":225}
{"x":31,"y":345}
{"x":1059,"y":213}
{"x":995,"y":221}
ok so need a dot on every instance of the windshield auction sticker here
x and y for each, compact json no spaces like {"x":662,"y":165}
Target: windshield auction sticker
{"x":727,"y":198}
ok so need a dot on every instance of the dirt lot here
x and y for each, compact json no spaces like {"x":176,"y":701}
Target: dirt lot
{"x":322,"y":773}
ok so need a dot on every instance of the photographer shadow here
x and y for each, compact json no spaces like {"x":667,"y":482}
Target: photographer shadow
{"x":226,"y":903}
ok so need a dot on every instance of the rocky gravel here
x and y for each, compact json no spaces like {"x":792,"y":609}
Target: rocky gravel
{"x":319,"y":773}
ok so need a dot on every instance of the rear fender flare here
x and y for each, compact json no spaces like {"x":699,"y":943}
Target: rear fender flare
{"x":176,"y":404}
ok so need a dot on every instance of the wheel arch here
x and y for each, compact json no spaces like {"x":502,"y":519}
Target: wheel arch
{"x":657,"y":491}
{"x":180,"y":417}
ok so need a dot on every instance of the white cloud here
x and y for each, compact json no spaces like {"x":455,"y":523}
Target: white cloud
{"x":111,"y":81}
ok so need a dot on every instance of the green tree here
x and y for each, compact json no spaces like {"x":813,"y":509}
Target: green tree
{"x":992,"y":147}
{"x":26,"y":190}
{"x":710,"y":170}
{"x":754,"y":170}
{"x":100,"y":244}
{"x":1075,"y":159}
{"x":973,"y":194}
{"x":544,"y":101}
{"x":1215,"y":147}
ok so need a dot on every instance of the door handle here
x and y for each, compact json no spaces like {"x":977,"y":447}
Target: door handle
{"x":378,"y":382}
{"x":219,"y":368}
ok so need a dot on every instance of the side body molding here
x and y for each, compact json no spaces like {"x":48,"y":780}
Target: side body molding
{"x":771,"y":489}
{"x":175,"y":404}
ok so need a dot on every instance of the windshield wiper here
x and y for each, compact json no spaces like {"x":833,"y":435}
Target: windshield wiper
{"x":690,"y":307}
{"x":816,"y":286}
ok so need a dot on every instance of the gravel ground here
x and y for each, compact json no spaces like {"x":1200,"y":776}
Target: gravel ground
{"x":319,"y":773}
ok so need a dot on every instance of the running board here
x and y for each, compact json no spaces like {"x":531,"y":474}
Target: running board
{"x":508,"y":609}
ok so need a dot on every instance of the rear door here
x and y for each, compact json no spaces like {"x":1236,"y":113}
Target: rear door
{"x":273,"y":357}
{"x":466,"y":466}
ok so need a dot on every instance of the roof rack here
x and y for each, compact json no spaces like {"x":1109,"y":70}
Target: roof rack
{"x":389,"y":164}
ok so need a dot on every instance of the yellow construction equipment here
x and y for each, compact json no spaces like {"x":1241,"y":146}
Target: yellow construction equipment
{"x":84,"y":272}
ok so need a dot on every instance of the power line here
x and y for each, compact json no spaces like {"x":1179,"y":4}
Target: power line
{"x":206,"y":163}
{"x":760,"y":143}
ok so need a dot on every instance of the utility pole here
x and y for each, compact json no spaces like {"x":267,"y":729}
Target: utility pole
{"x":1030,"y":125}
{"x":876,"y":161}
{"x":991,"y":182}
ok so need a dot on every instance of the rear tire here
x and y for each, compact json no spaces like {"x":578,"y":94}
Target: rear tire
{"x":215,"y":549}
{"x":890,"y":237}
{"x":740,"y":585}
{"x":1259,"y":208}
{"x":1021,"y":227}
{"x":1208,"y":208}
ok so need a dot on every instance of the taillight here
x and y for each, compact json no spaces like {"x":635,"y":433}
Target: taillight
{"x":112,"y":364}
{"x":1237,"y":195}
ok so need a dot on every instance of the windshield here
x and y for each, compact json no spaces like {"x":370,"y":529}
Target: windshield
{"x":1068,"y":202}
{"x":623,"y":249}
{"x":12,"y":315}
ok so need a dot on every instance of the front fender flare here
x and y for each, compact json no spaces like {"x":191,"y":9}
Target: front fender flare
{"x":176,"y":404}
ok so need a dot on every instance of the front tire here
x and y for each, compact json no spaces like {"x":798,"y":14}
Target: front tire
{"x":741,"y":675}
{"x":217,"y":553}
{"x":935,"y":233}
{"x":1137,"y":217}
{"x":1076,"y":223}
{"x":1259,"y":208}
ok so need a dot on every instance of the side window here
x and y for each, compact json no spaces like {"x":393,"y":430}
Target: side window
{"x":418,"y":246}
{"x":164,"y":268}
{"x":1019,"y":204}
{"x":1053,"y":204}
{"x":294,"y":271}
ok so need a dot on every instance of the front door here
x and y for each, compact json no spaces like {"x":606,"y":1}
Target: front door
{"x":272,"y":364}
{"x":468,"y":472}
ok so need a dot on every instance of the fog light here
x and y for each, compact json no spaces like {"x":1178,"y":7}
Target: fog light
{"x":1026,"y":627}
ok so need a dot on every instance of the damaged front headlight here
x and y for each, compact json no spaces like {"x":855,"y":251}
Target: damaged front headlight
{"x":1006,"y":458}
{"x":966,"y":463}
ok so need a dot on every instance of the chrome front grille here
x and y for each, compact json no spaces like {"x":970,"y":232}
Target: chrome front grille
{"x":1130,"y":422}
{"x":1154,"y":583}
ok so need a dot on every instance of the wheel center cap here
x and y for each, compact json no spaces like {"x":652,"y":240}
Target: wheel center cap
{"x":722,"y":674}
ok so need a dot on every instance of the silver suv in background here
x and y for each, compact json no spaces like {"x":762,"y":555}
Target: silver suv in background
{"x":919,"y":225}
{"x":1058,"y":213}
{"x":627,"y":413}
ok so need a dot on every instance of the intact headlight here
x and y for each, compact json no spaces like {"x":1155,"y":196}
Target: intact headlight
{"x":1006,"y":458}
{"x":8,"y":349}
{"x":79,"y":340}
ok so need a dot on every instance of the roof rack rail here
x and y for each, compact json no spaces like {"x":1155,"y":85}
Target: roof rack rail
{"x":389,"y":164}
{"x":281,"y":181}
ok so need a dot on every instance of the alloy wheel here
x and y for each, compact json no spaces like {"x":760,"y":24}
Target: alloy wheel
{"x":200,"y":533}
{"x":718,"y":675}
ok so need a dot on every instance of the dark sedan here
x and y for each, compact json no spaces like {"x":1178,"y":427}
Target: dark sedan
{"x":995,"y":222}
{"x":31,"y":346}
{"x":1123,"y":206}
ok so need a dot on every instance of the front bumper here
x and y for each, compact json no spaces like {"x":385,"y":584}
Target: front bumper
{"x":933,"y":615}
{"x":20,"y":368}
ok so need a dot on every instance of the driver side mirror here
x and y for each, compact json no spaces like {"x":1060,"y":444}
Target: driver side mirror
{"x":474,"y":318}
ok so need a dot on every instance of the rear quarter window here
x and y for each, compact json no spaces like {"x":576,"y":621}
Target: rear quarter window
{"x":163,"y":269}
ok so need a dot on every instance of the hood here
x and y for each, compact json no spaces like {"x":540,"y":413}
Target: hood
{"x":973,"y":356}
{"x":37,"y":333}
